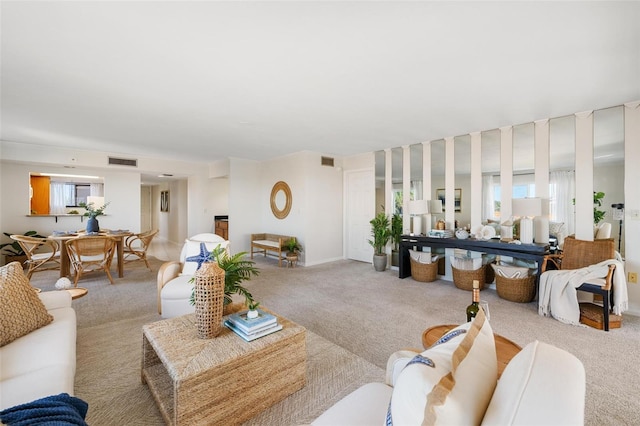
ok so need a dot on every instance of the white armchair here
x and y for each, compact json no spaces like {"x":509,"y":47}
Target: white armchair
{"x":174,"y":288}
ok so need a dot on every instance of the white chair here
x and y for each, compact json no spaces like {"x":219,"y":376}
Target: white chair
{"x":602,"y":231}
{"x":174,"y":288}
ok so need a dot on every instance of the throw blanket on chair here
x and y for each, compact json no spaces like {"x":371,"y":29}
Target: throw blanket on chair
{"x":558,"y":294}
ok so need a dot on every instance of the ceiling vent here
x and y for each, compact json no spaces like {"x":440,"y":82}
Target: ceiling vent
{"x":123,"y":162}
{"x":327,"y":161}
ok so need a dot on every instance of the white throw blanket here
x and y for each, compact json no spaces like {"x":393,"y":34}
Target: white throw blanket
{"x":558,"y":294}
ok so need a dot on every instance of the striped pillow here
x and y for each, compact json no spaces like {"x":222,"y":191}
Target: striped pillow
{"x":451,"y":382}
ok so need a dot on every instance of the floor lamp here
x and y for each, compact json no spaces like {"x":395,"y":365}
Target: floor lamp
{"x":417,"y":208}
{"x":527,"y":209}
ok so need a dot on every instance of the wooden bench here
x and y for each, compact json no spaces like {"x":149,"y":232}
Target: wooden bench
{"x":263,"y":243}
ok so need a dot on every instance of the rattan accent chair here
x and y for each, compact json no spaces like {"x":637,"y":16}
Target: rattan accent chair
{"x":578,"y":254}
{"x":135,"y":246}
{"x":91,"y":253}
{"x":43,"y":254}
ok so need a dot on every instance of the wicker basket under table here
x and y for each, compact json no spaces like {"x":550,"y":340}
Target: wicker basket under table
{"x":424,"y":272}
{"x":521,"y":290}
{"x":463,"y":279}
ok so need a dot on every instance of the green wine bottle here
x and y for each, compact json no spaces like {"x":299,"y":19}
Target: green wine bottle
{"x":472,"y":309}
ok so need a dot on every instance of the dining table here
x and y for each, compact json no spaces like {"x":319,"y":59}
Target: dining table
{"x":65,"y":264}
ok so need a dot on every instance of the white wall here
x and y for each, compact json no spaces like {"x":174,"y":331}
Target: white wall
{"x":122,"y":191}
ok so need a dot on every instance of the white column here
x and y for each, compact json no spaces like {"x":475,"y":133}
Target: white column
{"x":406,"y":189}
{"x":506,"y":172}
{"x":631,"y":224}
{"x":541,"y":140}
{"x":476,"y":180}
{"x":584,"y":175}
{"x":449,"y":182}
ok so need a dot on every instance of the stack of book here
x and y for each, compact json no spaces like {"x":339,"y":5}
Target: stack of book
{"x":252,"y":328}
{"x":441,"y":233}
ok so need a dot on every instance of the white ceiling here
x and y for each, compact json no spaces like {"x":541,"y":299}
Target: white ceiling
{"x":203,"y":81}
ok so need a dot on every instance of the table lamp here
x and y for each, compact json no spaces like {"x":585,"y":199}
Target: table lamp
{"x":417,"y":208}
{"x":526,"y":209}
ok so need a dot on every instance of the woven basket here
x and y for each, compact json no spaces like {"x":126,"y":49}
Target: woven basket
{"x":209,"y":295}
{"x":521,"y":290}
{"x":463,"y":279}
{"x":489,"y":273}
{"x":423,"y":272}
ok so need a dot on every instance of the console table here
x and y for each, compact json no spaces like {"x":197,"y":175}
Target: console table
{"x":535,"y":251}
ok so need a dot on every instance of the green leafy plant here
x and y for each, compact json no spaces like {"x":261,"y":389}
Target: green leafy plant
{"x":293,"y":246}
{"x":381,"y":233}
{"x":253,"y":305}
{"x":13,"y":248}
{"x":236,"y":271}
{"x":74,"y":212}
{"x":91,"y":210}
{"x":598,"y":215}
{"x":396,"y":230}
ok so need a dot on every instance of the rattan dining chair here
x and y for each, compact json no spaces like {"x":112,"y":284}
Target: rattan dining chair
{"x":91,"y":253}
{"x":136,"y":245}
{"x":578,"y":254}
{"x":43,"y":254}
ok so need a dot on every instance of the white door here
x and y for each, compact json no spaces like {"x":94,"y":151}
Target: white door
{"x":145,"y":208}
{"x":359,"y":210}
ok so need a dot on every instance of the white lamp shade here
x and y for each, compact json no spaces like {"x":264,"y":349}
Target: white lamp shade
{"x":435,"y":206}
{"x":97,"y":201}
{"x":418,"y":207}
{"x":526,"y":207}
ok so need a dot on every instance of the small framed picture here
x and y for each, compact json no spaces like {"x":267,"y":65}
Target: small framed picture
{"x":164,"y":201}
{"x":457,"y":199}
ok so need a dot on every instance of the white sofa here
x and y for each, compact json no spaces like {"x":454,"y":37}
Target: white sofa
{"x":43,"y":362}
{"x":542,"y":385}
{"x":174,"y":288}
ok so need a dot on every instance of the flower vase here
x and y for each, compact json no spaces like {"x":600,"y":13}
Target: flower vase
{"x":92,"y":225}
{"x":209,"y":297}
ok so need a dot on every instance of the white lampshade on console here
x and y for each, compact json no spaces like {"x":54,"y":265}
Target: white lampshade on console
{"x":417,"y":208}
{"x":526,"y":209}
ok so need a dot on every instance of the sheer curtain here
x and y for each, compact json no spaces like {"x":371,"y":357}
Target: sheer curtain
{"x":487,"y":198}
{"x":60,"y":193}
{"x":561,"y":208}
{"x":96,"y":189}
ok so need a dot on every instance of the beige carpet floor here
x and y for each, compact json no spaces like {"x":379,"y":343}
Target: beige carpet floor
{"x":355,"y":318}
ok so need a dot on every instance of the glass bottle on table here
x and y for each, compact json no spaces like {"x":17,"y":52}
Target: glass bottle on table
{"x":472,"y":309}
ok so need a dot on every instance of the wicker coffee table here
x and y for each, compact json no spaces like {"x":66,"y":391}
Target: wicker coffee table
{"x":505,"y":348}
{"x":223,"y":380}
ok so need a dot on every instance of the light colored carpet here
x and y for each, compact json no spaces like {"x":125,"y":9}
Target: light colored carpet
{"x":355,"y":318}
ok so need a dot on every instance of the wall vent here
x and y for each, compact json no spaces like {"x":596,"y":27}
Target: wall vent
{"x":123,"y":162}
{"x":327,"y":161}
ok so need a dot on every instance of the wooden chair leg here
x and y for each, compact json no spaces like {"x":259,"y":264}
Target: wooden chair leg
{"x":605,"y":311}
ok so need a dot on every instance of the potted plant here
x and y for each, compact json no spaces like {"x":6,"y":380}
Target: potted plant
{"x":13,"y":251}
{"x":396,"y":236}
{"x":598,"y":215}
{"x":237,"y":270}
{"x":93,"y":212}
{"x":253,"y":309}
{"x":381,"y":233}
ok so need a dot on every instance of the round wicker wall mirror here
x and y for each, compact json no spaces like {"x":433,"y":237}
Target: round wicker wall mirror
{"x":281,"y":200}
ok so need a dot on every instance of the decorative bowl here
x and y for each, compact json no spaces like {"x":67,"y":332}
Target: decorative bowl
{"x":462,"y":234}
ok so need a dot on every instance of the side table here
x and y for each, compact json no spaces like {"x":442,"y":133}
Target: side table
{"x":505,"y":348}
{"x":77,"y":292}
{"x":223,"y":380}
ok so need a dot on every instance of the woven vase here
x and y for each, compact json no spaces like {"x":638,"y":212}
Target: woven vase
{"x":209,"y":292}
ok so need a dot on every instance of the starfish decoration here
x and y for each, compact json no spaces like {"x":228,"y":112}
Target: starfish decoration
{"x":201,"y":257}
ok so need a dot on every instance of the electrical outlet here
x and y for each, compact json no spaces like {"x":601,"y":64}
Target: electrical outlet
{"x":632,"y":277}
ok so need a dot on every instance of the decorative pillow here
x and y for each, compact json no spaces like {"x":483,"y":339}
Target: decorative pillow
{"x":466,"y":263}
{"x":423,"y":256}
{"x":21,"y":310}
{"x":451,"y":382}
{"x":196,"y":253}
{"x":555,"y":228}
{"x":510,"y":271}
